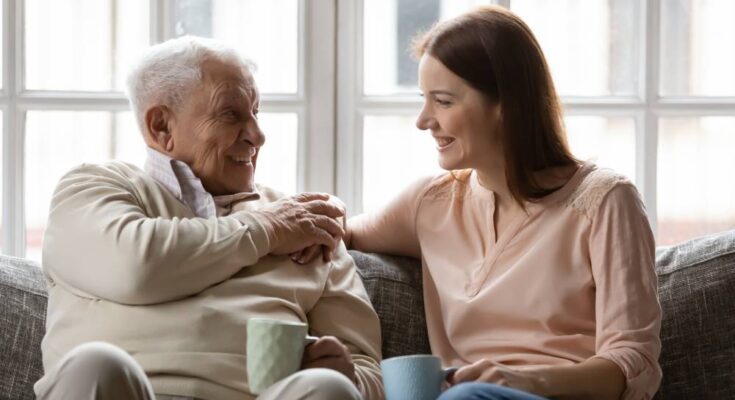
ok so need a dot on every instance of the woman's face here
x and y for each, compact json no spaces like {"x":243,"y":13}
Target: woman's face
{"x":463,"y":121}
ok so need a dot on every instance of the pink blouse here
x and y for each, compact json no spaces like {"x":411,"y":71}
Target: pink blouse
{"x":571,"y":279}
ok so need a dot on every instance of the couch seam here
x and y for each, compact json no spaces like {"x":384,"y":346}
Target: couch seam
{"x":698,"y":262}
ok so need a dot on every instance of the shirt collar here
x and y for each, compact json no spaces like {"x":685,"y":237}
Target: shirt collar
{"x":178,"y":178}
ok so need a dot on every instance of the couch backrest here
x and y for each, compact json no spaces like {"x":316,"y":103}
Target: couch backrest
{"x":697,"y":294}
{"x":22,"y":324}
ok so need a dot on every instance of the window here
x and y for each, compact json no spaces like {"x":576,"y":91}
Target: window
{"x":64,"y":103}
{"x":647,"y":90}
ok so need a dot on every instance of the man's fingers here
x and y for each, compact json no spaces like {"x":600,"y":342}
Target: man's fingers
{"x":324,"y":208}
{"x":310,"y":196}
{"x":332,"y":363}
{"x":327,"y":346}
{"x":308,"y":254}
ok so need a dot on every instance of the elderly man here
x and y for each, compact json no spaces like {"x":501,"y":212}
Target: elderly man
{"x":153,"y":274}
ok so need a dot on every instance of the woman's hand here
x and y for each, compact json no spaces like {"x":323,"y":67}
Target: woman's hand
{"x":485,"y":370}
{"x":329,"y":352}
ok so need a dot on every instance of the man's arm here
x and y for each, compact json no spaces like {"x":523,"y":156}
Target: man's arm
{"x":345,"y":312}
{"x":100,"y":242}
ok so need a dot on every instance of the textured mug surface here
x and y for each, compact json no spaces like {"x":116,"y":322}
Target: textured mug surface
{"x":415,"y":377}
{"x":274,"y":351}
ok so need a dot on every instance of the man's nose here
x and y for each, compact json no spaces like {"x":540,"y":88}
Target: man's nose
{"x":251,"y":132}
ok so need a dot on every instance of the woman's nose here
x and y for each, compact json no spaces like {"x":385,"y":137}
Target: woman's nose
{"x":425,"y":121}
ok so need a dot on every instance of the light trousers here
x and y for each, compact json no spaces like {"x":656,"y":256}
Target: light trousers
{"x":101,"y":371}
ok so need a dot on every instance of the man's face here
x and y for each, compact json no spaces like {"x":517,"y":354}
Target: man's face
{"x":216,"y":132}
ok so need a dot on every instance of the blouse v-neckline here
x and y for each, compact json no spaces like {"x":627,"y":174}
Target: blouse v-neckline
{"x":499,"y":242}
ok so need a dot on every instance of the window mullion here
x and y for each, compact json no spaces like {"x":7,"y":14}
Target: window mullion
{"x":13,"y":154}
{"x":647,"y":138}
{"x":349,"y":91}
{"x":317,"y":52}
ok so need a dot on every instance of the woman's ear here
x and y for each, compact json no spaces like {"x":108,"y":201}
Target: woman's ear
{"x":158,"y":128}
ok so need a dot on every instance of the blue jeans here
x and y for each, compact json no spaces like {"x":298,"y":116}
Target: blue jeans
{"x":485,"y":391}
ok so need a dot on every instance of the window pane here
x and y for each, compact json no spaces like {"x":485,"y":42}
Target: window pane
{"x":389,"y":28}
{"x":591,"y":46}
{"x":696,"y":191}
{"x":265,"y":32}
{"x":82,"y":44}
{"x":64,"y":139}
{"x":55,"y":142}
{"x":608,"y":142}
{"x":697,"y":47}
{"x":395,"y":153}
{"x":277,"y":159}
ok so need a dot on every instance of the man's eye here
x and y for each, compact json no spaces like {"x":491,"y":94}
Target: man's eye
{"x":230,"y":114}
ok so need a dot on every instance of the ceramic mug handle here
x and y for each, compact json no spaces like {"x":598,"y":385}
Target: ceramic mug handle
{"x":449,"y":372}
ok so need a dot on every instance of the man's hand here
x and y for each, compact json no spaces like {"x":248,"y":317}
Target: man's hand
{"x":329,"y":352}
{"x":297,"y":222}
{"x":492,"y":372}
{"x":310,"y":253}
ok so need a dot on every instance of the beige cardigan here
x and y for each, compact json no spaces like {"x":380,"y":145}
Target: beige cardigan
{"x":129,"y":264}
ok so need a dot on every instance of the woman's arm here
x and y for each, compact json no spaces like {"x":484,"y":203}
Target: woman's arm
{"x":628,"y":314}
{"x":595,"y":378}
{"x":392,"y":229}
{"x":592,"y":379}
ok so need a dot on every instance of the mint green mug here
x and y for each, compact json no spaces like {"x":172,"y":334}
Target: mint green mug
{"x":274,"y":351}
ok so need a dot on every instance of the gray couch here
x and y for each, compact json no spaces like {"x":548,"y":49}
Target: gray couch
{"x":696,"y":287}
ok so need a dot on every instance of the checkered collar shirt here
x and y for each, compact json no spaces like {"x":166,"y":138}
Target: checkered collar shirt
{"x":178,"y":178}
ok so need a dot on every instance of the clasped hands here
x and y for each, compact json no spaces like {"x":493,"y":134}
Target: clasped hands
{"x":485,"y":370}
{"x":304,"y":225}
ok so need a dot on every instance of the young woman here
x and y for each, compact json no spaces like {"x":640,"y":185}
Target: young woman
{"x":538,"y":268}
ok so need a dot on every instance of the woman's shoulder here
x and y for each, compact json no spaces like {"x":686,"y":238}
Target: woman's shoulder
{"x":594,"y":187}
{"x":447,"y":185}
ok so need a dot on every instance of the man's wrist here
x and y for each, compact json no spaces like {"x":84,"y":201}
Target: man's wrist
{"x":268,"y":228}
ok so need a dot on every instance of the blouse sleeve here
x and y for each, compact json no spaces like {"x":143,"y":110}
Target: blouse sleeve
{"x":392,"y":229}
{"x":628,"y":314}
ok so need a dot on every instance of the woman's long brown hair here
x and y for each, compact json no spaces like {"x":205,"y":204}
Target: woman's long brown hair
{"x":495,"y":52}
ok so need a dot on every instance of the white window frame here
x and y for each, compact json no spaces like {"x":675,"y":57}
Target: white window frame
{"x":314,"y":104}
{"x":646,"y":108}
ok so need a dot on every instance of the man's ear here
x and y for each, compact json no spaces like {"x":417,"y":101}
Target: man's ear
{"x":158,"y":121}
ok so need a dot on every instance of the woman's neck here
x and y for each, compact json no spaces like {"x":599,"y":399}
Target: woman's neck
{"x":493,"y":179}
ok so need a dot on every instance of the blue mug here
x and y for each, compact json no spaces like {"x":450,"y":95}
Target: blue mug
{"x":415,"y":377}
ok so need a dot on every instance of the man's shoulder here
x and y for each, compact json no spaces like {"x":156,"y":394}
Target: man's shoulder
{"x":119,"y":174}
{"x":109,"y":169}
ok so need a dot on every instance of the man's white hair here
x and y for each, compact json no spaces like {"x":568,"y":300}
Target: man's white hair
{"x":169,"y":70}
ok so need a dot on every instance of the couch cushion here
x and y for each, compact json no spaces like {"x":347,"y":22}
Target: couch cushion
{"x":22,"y":325}
{"x":697,"y":294}
{"x":394,"y":287}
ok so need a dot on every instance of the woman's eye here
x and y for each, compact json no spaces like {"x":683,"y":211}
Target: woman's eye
{"x":443,"y":102}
